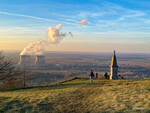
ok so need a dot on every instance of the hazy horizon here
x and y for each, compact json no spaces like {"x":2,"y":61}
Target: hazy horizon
{"x":80,"y":52}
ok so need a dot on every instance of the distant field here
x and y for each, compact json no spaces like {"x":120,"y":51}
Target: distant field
{"x":90,"y":58}
{"x":78,"y":95}
{"x":143,"y":63}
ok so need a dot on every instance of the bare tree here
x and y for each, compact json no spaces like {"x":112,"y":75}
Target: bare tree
{"x":6,"y":67}
{"x":18,"y":79}
{"x":12,"y":76}
{"x":24,"y":76}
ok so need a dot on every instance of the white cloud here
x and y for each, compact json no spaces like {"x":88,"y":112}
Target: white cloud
{"x":83,"y":22}
{"x":37,"y":18}
{"x":85,"y":14}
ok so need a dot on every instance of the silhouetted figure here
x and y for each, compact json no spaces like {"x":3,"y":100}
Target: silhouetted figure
{"x":96,"y":75}
{"x":106,"y":75}
{"x":120,"y":76}
{"x":91,"y":74}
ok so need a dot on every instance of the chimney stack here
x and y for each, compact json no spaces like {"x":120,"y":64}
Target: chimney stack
{"x":24,"y":60}
{"x":40,"y":60}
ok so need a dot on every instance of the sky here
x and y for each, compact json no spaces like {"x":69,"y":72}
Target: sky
{"x":121,"y":25}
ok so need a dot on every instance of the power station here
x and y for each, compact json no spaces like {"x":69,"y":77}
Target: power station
{"x":40,"y":60}
{"x":25,"y":60}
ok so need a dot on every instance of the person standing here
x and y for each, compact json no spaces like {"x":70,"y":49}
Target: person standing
{"x":96,"y":75}
{"x":106,"y":75}
{"x":91,"y":74}
{"x":119,"y":76}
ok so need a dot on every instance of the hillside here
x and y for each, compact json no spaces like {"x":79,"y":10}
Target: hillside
{"x":78,"y":95}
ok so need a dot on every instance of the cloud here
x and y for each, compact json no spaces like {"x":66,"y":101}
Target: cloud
{"x":34,"y":17}
{"x":85,"y":14}
{"x":83,"y":22}
{"x":54,"y":36}
{"x":124,"y":12}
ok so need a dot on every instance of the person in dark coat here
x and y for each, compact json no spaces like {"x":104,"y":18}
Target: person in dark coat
{"x":96,"y":75}
{"x":91,"y":74}
{"x":106,"y":75}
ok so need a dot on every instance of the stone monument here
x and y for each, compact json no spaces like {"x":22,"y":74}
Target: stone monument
{"x":114,"y":68}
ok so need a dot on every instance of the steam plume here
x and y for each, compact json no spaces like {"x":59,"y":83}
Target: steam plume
{"x":83,"y":22}
{"x":35,"y":48}
{"x":54,"y":36}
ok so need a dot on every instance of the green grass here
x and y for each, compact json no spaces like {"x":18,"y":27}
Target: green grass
{"x":78,"y":95}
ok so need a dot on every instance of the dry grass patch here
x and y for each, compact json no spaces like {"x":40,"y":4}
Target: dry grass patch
{"x":79,"y":95}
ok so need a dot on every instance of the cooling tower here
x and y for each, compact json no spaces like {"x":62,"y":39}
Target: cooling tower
{"x":40,"y":60}
{"x":24,"y":60}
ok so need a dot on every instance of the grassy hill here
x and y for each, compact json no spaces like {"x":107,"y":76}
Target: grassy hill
{"x":78,"y":95}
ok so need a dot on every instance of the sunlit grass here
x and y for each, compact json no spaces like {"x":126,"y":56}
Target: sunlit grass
{"x":79,"y":95}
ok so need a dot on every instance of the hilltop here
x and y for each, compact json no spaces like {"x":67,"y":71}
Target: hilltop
{"x":78,"y":95}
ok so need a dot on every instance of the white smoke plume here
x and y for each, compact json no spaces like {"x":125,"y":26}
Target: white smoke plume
{"x":83,"y":22}
{"x":70,"y":34}
{"x":54,"y":36}
{"x":35,"y":48}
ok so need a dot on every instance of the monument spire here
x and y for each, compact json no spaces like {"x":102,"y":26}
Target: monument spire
{"x":114,"y":67}
{"x":114,"y":60}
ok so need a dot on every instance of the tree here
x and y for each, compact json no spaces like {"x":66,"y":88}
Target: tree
{"x":23,"y":76}
{"x":18,"y":79}
{"x":11,"y":75}
{"x":6,"y":67}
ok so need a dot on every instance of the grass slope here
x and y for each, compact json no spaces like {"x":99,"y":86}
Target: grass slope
{"x":78,"y":95}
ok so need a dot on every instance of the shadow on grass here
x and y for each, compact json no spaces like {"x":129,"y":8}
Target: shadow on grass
{"x":8,"y":105}
{"x":59,"y":85}
{"x":63,"y":84}
{"x":2,"y":99}
{"x":16,"y":106}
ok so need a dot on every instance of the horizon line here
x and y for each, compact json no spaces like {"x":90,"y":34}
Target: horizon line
{"x":81,"y":52}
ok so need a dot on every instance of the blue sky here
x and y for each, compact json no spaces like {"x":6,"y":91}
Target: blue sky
{"x":122,"y":25}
